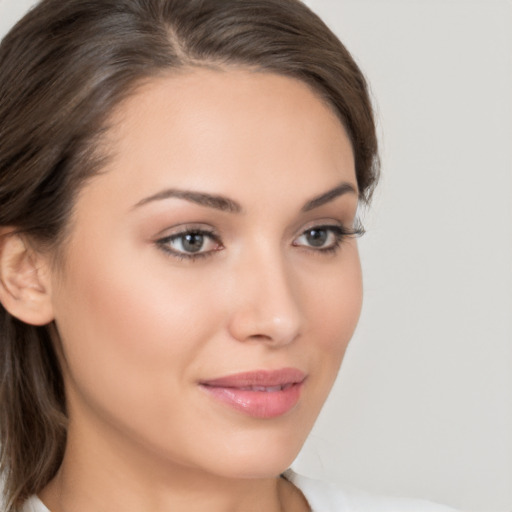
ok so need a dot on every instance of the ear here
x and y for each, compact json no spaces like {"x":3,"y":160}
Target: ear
{"x":24,"y":280}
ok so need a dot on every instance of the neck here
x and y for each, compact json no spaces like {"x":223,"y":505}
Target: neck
{"x":100,"y":474}
{"x":64,"y":495}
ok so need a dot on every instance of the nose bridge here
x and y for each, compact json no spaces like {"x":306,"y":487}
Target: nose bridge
{"x":266,"y":304}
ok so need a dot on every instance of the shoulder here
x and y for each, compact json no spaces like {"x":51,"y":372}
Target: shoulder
{"x":327,"y":497}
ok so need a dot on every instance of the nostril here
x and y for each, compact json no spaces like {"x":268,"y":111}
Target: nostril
{"x":261,"y":337}
{"x":255,"y":325}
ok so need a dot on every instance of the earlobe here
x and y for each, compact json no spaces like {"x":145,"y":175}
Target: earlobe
{"x":24,"y":280}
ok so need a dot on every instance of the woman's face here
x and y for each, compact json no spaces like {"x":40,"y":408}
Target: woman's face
{"x":208,"y":290}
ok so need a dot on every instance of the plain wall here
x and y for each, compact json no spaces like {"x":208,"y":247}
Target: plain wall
{"x":423,"y":404}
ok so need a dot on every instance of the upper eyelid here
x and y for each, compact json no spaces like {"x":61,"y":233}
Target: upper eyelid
{"x":341,"y":232}
{"x":174,"y":236}
{"x":208,"y":230}
{"x":183,"y":229}
{"x":329,"y":223}
{"x":338,"y":230}
{"x":163,"y":242}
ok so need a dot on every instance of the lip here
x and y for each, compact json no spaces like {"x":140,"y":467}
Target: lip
{"x":261,"y":394}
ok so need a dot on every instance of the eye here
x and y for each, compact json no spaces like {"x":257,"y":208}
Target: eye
{"x":190,"y":243}
{"x":325,"y":238}
{"x":318,"y":237}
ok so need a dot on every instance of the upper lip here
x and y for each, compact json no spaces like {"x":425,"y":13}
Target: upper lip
{"x":263,"y":378}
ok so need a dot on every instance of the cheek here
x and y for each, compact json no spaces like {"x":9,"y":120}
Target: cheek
{"x":335,"y":308}
{"x":333,"y":313}
{"x":129,"y":329}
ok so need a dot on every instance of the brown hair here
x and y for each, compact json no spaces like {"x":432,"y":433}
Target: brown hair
{"x":63,"y":69}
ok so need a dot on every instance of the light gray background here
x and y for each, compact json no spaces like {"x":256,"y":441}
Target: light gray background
{"x":423,"y":405}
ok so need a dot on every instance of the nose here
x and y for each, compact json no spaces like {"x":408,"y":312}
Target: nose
{"x":265,"y":302}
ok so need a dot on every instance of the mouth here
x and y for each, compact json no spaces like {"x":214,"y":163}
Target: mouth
{"x":266,"y":389}
{"x":260,"y":394}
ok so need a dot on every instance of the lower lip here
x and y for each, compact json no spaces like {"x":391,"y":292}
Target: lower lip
{"x":258,"y":404}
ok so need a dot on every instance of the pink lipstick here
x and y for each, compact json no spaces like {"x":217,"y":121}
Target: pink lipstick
{"x":260,"y":394}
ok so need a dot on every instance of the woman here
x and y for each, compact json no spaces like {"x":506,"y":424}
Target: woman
{"x":179,"y":276}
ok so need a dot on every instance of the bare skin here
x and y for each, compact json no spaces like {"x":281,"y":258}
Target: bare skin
{"x":144,"y":321}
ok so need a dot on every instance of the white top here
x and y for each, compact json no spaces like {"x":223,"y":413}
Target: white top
{"x":325,"y":497}
{"x":328,"y":497}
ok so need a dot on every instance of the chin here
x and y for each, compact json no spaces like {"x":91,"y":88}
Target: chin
{"x":255,"y":467}
{"x":262,"y":454}
{"x":233,"y":445}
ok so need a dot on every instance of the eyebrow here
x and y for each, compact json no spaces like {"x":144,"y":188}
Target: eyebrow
{"x":316,"y":202}
{"x":225,"y":204}
{"x":209,"y":200}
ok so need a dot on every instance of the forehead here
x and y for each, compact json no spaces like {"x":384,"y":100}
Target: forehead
{"x":218,"y":129}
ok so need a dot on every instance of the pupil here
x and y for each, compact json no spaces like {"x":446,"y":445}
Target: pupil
{"x":193,"y":242}
{"x":317,"y":237}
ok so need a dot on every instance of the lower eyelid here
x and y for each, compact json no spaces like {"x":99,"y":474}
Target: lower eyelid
{"x":334,"y":239}
{"x":165,"y":243}
{"x":339,"y":232}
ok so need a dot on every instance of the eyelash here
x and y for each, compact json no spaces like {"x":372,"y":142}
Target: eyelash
{"x":164,"y":244}
{"x":340,"y":233}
